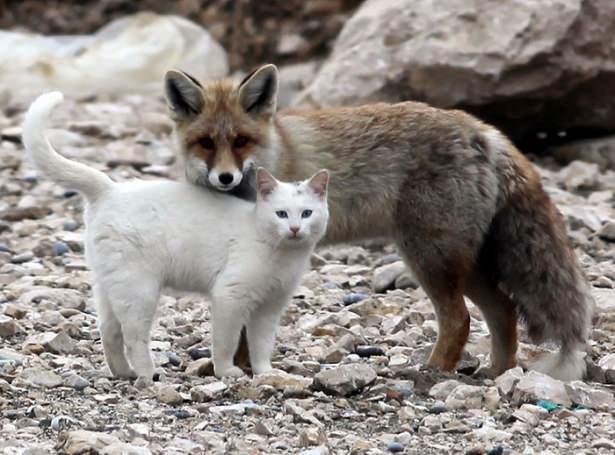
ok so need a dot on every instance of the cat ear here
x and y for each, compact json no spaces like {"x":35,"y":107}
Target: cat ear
{"x":319,"y":183}
{"x":258,"y":91}
{"x":265,"y":182}
{"x":184,"y":94}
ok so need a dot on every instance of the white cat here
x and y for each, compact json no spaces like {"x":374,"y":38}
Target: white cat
{"x":142,"y":236}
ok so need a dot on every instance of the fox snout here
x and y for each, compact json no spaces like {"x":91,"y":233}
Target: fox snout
{"x":225,"y":180}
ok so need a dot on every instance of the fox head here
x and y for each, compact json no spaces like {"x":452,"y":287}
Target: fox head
{"x":223,"y":128}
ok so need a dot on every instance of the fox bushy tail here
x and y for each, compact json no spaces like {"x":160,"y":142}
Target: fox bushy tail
{"x":538,"y":268}
{"x":88,"y":181}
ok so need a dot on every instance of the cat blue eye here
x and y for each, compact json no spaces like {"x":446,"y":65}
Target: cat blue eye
{"x":306,"y":214}
{"x":282,"y":214}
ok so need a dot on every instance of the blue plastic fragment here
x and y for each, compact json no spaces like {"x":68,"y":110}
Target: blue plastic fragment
{"x":548,"y":405}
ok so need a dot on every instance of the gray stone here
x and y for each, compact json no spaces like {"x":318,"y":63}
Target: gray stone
{"x":345,"y":379}
{"x":8,"y":327}
{"x":313,"y":436}
{"x":591,"y":397}
{"x":600,"y":151}
{"x":168,"y":394}
{"x":406,"y":281}
{"x":607,"y":232}
{"x":62,"y":298}
{"x":385,"y":276}
{"x":443,"y":389}
{"x":82,"y":442}
{"x":58,"y":343}
{"x":41,"y":378}
{"x":208,"y":392}
{"x":77,"y":382}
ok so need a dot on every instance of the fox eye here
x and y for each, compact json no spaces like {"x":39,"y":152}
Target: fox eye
{"x":207,"y":143}
{"x":306,"y":214}
{"x":282,"y":214}
{"x":240,"y":141}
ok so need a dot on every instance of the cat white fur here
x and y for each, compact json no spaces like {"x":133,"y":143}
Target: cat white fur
{"x":142,"y":236}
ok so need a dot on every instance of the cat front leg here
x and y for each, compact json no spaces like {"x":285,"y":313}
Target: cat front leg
{"x":262,"y":327}
{"x":228,"y":318}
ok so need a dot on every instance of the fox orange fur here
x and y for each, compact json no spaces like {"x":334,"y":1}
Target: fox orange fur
{"x":466,"y":209}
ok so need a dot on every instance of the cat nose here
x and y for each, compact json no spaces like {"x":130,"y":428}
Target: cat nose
{"x":294,"y":229}
{"x":225,"y":178}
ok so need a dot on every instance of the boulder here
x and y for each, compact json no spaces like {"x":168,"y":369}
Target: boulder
{"x":522,"y":64}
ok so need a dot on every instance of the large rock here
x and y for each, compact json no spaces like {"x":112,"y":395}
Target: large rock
{"x":519,"y":63}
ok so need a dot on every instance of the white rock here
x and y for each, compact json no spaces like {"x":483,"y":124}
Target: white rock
{"x":443,"y":389}
{"x":465,"y":397}
{"x":588,"y":396}
{"x":536,"y":386}
{"x":507,"y":380}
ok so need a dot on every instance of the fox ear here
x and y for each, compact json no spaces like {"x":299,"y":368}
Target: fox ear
{"x":319,"y":183}
{"x":258,"y":91}
{"x":265,"y":182}
{"x":184,"y":94}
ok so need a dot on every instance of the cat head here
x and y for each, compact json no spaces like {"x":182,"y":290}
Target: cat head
{"x":294,"y":213}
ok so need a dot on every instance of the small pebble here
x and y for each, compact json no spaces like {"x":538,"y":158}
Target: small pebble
{"x":330,"y":285}
{"x":77,"y":382}
{"x":30,"y":177}
{"x":4,"y":248}
{"x":70,"y":193}
{"x":438,"y":408}
{"x":174,"y":359}
{"x":199,"y":353}
{"x":70,"y":225}
{"x":60,"y":248}
{"x":22,"y":257}
{"x":395,"y":447}
{"x":368,"y":351}
{"x":349,"y":299}
{"x":498,"y":450}
{"x":182,"y":414}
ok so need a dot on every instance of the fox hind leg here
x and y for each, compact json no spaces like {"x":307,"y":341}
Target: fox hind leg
{"x":443,"y":283}
{"x":500,"y":315}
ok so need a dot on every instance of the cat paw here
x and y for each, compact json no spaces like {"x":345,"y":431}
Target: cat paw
{"x":233,"y":372}
{"x":261,"y":368}
{"x":124,"y":374}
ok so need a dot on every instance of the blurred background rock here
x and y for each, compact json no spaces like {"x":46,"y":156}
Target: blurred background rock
{"x":540,"y":71}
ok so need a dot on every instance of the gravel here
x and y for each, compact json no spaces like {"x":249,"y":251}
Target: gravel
{"x":349,"y":373}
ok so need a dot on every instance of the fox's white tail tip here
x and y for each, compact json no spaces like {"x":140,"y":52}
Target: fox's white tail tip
{"x":566,"y":365}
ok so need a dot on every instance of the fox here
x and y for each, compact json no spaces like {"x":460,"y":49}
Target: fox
{"x":465,"y":208}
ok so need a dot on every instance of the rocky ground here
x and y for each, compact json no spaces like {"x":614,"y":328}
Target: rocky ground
{"x":349,"y":359}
